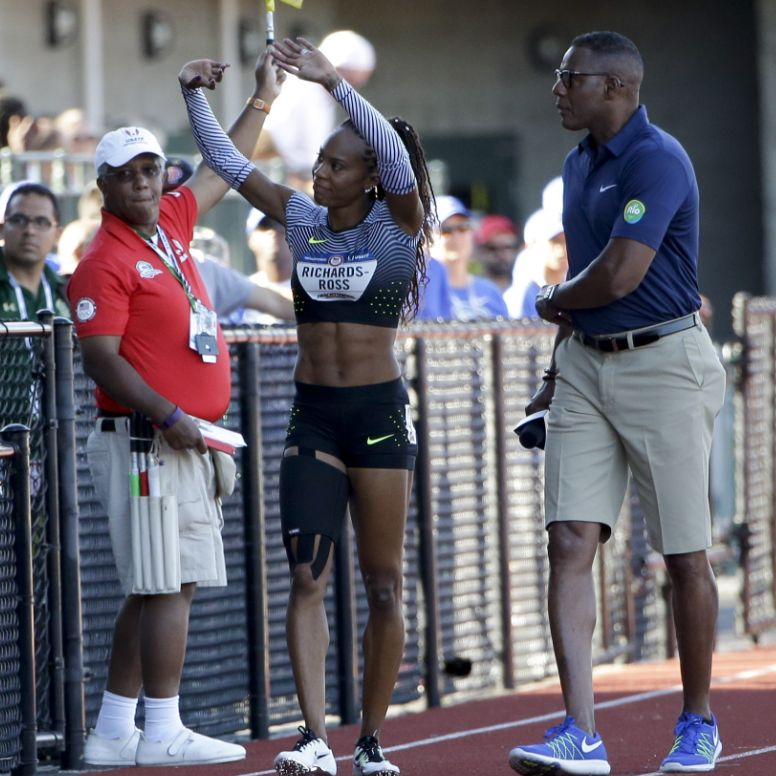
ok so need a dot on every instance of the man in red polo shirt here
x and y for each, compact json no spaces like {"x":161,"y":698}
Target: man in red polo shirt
{"x":150,"y":340}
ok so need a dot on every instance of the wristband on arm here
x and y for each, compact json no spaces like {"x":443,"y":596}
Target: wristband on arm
{"x":172,"y":418}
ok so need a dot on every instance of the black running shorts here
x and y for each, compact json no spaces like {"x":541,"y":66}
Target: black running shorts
{"x":366,"y":426}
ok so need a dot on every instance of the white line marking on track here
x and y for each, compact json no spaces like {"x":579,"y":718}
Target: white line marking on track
{"x":728,"y":759}
{"x":624,"y":701}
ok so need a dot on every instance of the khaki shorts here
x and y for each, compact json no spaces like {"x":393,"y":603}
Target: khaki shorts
{"x":650,"y":410}
{"x":187,"y":473}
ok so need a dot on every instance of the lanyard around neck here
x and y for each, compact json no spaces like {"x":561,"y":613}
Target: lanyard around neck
{"x":171,"y":262}
{"x":19,"y":293}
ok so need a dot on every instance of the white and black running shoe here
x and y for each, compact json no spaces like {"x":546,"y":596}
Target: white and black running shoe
{"x":311,"y":754}
{"x":369,"y":760}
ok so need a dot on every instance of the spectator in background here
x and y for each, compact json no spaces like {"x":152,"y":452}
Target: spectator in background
{"x":542,"y":261}
{"x":90,"y":201}
{"x":176,"y":172}
{"x":75,"y":134}
{"x":274,"y":262}
{"x":497,"y":246}
{"x":304,"y":115}
{"x":12,"y":111}
{"x":77,"y":235}
{"x":552,"y":196}
{"x":473,"y":297}
{"x":267,"y":242}
{"x":52,"y":259}
{"x":73,"y":242}
{"x":33,"y":133}
{"x":436,"y":296}
{"x":230,"y":291}
{"x":30,"y":232}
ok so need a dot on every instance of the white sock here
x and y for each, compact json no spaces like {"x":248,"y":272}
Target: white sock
{"x":162,"y":718}
{"x":117,"y":716}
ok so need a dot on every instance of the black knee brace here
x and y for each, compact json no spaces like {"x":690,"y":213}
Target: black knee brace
{"x":313,"y":500}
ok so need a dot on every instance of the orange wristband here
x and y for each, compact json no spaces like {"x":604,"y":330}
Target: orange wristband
{"x":258,"y":104}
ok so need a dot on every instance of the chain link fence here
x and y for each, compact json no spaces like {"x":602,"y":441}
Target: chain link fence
{"x":475,"y":563}
{"x":754,"y":321}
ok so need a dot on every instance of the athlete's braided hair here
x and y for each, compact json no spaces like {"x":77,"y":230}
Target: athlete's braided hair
{"x":419,"y":167}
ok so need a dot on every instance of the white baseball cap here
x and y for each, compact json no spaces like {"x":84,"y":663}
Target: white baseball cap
{"x":125,"y":143}
{"x":348,"y":49}
{"x":447,"y":207}
{"x":552,"y":196}
{"x":542,"y":225}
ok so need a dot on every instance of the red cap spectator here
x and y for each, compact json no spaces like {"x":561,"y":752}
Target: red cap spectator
{"x":493,"y":226}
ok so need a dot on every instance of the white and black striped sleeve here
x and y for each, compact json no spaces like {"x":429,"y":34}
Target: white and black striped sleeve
{"x":396,"y":175}
{"x":214,"y":144}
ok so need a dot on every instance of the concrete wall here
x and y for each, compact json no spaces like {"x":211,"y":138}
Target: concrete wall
{"x":460,"y":69}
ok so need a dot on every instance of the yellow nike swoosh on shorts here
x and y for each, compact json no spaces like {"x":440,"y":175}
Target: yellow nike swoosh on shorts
{"x":316,"y":240}
{"x":374,"y":441}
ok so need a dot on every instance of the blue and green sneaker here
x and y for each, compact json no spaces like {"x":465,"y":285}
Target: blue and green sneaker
{"x":696,"y":747}
{"x":566,"y":749}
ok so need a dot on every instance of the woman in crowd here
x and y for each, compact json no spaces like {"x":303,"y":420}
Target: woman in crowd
{"x":358,"y":265}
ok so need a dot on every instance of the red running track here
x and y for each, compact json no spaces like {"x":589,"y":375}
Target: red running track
{"x":637,"y":706}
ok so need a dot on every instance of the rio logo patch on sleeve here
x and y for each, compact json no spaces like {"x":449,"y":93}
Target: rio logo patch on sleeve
{"x":634,"y":211}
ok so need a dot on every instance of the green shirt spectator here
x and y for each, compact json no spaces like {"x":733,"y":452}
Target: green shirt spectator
{"x":51,"y":295}
{"x":30,"y":232}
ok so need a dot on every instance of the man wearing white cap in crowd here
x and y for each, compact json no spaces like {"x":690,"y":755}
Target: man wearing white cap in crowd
{"x":150,"y":340}
{"x":543,"y":260}
{"x":304,"y":115}
{"x":267,"y":242}
{"x":473,"y":297}
{"x":552,"y":196}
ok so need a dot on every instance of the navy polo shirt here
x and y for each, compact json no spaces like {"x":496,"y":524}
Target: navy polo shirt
{"x":640,"y":186}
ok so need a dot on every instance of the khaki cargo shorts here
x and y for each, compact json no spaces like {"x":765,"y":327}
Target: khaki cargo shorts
{"x":649,"y":410}
{"x":187,"y":473}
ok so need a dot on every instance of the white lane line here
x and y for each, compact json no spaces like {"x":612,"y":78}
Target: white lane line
{"x":624,"y":701}
{"x":729,"y":758}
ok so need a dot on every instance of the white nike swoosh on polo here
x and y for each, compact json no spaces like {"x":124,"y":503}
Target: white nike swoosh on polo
{"x":606,"y":188}
{"x":587,"y":748}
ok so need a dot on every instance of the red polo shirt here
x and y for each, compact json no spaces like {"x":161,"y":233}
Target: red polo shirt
{"x":121,"y":288}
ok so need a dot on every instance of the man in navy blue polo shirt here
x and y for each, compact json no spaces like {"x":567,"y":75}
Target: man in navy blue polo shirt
{"x":635,"y":385}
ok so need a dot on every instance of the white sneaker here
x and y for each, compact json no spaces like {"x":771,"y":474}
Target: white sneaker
{"x":189,"y":748}
{"x":311,"y":754}
{"x":99,"y":750}
{"x":369,"y":760}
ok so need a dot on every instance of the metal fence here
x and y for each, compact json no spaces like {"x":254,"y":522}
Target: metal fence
{"x":754,"y":321}
{"x":475,"y":564}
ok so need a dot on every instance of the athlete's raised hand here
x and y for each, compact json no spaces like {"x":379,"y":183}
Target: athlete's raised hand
{"x":202,"y":72}
{"x":269,"y":75}
{"x":303,"y":60}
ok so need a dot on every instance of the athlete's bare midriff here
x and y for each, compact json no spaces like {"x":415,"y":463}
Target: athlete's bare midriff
{"x":345,"y":354}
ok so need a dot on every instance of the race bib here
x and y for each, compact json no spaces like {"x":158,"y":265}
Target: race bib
{"x":336,"y":277}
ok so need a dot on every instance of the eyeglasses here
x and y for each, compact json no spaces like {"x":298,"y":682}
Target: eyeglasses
{"x":460,"y":226}
{"x":509,"y":247}
{"x":127,"y":175}
{"x":566,"y":77}
{"x":41,"y":223}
